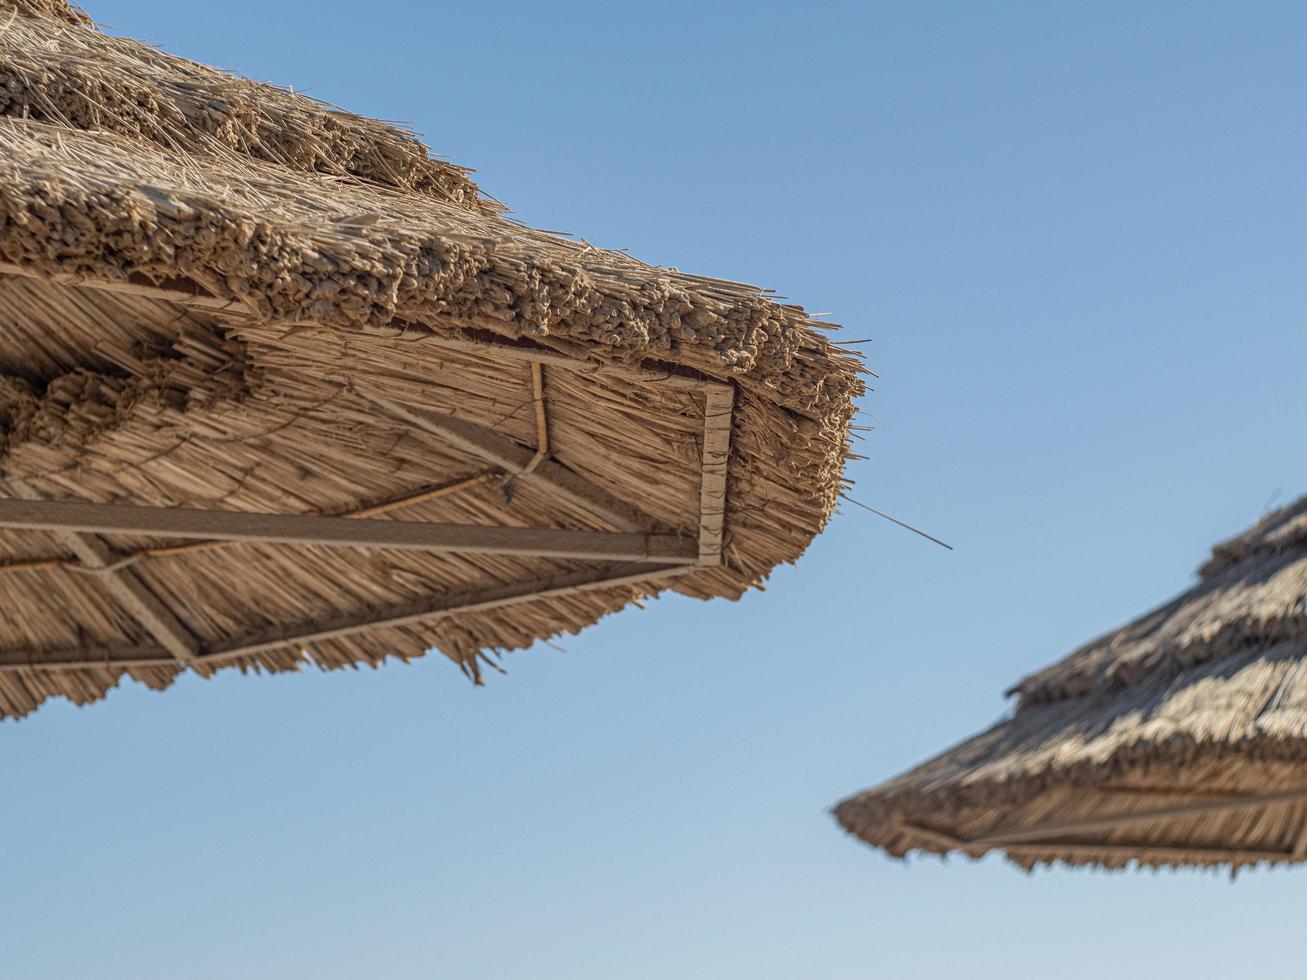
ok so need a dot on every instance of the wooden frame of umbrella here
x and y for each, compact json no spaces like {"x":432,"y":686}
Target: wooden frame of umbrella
{"x":634,"y":555}
{"x":1017,"y":840}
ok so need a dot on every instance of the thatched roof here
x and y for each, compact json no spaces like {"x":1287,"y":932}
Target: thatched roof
{"x":1179,"y":739}
{"x":276,"y":388}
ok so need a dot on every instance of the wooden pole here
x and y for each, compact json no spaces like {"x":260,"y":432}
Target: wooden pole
{"x":1142,"y":851}
{"x":424,"y":610}
{"x":78,"y":517}
{"x":719,"y":406}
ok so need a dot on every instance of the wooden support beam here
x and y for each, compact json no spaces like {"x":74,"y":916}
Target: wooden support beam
{"x":1120,"y":850}
{"x":542,"y":417}
{"x":1185,"y":792}
{"x":302,"y":634}
{"x":1066,"y":827}
{"x":1300,"y":842}
{"x":931,"y":836}
{"x":719,"y":406}
{"x":25,"y":565}
{"x":123,"y":583}
{"x":481,"y":600}
{"x":499,"y":450}
{"x":115,"y":658}
{"x":78,"y":517}
{"x":1145,"y":851}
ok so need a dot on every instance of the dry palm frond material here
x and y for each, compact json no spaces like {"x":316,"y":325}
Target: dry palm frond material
{"x":83,"y":79}
{"x":56,"y":9}
{"x":211,"y":289}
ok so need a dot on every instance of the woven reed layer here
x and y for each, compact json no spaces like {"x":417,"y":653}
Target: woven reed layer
{"x":1207,"y":694}
{"x":344,"y":278}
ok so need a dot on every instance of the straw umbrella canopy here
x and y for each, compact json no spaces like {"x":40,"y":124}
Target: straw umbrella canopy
{"x":1179,"y":739}
{"x":276,"y":387}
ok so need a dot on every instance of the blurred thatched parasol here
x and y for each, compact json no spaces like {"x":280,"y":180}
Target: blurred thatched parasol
{"x":1180,"y":739}
{"x":277,"y":387}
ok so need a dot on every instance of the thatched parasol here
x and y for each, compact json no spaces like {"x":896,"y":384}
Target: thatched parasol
{"x":1180,"y":739}
{"x":277,"y":387}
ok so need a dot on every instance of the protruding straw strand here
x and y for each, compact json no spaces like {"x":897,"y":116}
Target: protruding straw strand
{"x":895,"y":520}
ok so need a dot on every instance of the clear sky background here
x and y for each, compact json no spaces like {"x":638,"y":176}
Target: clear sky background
{"x":1077,"y":236}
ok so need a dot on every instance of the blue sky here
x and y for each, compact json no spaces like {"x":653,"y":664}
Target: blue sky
{"x":1076,"y":235}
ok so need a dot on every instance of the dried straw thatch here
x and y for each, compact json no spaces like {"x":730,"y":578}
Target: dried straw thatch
{"x":276,"y":387}
{"x":1180,"y":739}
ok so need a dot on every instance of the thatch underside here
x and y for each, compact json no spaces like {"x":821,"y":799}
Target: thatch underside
{"x":217,"y":296}
{"x":1180,"y":739}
